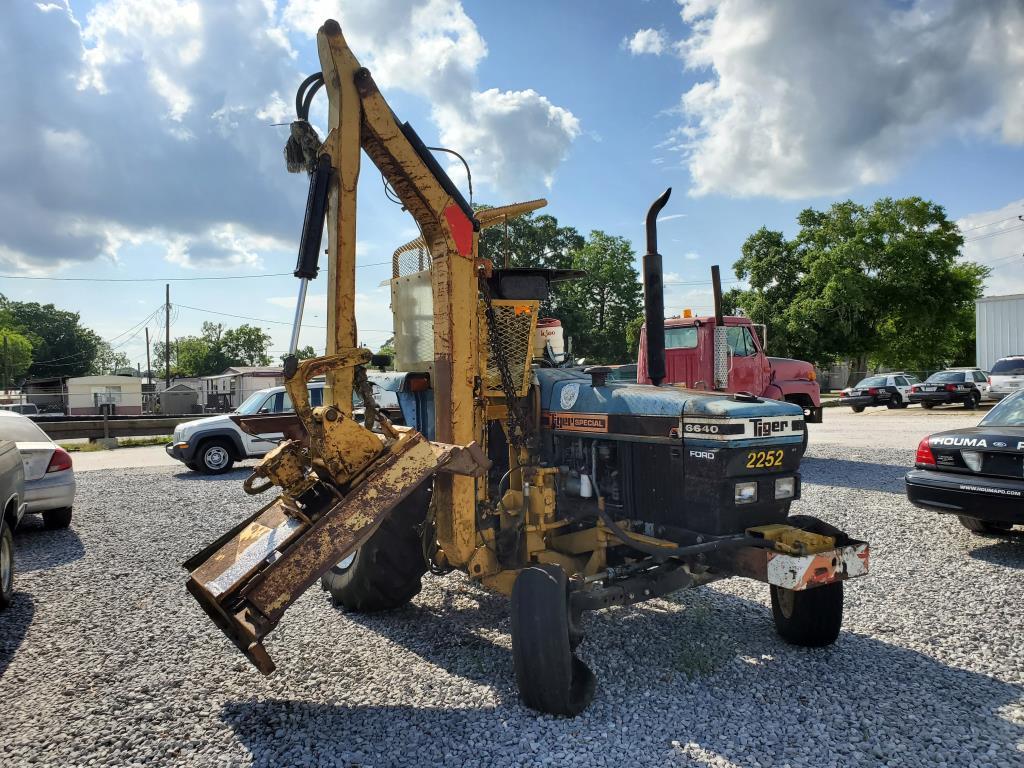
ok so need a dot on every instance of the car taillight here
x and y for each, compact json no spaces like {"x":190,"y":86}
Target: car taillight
{"x":990,"y":381}
{"x":914,"y":389}
{"x":951,"y":387}
{"x":59,"y":461}
{"x":842,"y":394}
{"x":873,"y":391}
{"x":924,"y":453}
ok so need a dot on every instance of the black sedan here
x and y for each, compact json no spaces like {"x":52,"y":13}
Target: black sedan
{"x":947,"y":387}
{"x":976,"y":473}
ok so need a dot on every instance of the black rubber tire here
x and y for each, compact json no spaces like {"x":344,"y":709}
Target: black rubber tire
{"x":806,"y":440}
{"x":810,"y":617}
{"x":215,"y":456}
{"x":57,"y":518}
{"x":896,"y":401}
{"x":927,"y":406}
{"x":387,"y":571}
{"x":194,"y":466}
{"x":6,"y":579}
{"x":974,"y":525}
{"x":972,"y":401}
{"x":550,"y":678}
{"x":857,"y":408}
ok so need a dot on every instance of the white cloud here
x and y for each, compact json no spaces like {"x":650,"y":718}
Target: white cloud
{"x":691,"y":256}
{"x":996,"y":239}
{"x":651,"y":41}
{"x":798,"y":99}
{"x":161,"y":135}
{"x":514,"y":140}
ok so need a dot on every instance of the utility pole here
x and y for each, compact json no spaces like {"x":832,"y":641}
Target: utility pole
{"x":149,"y":370}
{"x":6,"y":383}
{"x":167,"y":340}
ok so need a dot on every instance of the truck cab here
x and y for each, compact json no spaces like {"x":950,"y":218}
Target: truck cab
{"x":689,"y":362}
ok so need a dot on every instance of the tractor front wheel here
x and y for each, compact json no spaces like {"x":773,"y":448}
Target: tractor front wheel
{"x":386,"y":572}
{"x":550,"y":677}
{"x":809,"y":617}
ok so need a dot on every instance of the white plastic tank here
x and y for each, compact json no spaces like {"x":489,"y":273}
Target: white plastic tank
{"x":549,"y":331}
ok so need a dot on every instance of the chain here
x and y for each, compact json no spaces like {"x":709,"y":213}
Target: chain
{"x":518,"y":420}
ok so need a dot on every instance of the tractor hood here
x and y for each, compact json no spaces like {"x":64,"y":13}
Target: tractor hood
{"x":570,"y":403}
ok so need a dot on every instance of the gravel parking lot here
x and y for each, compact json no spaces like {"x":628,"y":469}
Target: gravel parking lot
{"x":104,"y":659}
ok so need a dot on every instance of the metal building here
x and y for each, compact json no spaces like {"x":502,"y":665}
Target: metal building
{"x":999,"y":326}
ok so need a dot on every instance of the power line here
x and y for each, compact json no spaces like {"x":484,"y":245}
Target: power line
{"x":166,"y":279}
{"x":989,"y":224}
{"x":987,"y":235}
{"x":276,"y":322}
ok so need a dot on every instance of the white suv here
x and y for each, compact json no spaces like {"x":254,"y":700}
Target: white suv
{"x":1006,"y":376}
{"x":213,"y":445}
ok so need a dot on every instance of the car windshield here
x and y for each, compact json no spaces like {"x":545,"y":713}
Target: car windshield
{"x":946,"y":377}
{"x":252,"y":403}
{"x":21,"y":430}
{"x":1009,"y":412}
{"x":872,"y":381}
{"x":1009,"y":366}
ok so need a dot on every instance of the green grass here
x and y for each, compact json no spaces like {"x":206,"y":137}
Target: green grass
{"x":122,"y":442}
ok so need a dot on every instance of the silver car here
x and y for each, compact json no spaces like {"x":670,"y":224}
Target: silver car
{"x":49,"y":476}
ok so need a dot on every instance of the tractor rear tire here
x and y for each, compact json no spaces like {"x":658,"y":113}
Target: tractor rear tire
{"x":808,"y":617}
{"x":386,"y":572}
{"x":974,"y":525}
{"x":549,"y":676}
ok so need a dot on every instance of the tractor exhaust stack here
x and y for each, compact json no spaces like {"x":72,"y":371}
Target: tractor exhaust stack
{"x":654,"y":295}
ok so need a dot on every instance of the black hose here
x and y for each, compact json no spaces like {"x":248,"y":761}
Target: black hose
{"x":687,"y":551}
{"x":300,"y":94}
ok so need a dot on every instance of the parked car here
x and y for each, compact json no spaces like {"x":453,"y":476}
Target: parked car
{"x":12,"y":495}
{"x":968,"y":386}
{"x":1006,"y":376}
{"x":889,"y":389}
{"x":213,"y":445}
{"x":49,"y":474}
{"x":976,"y":473}
{"x":26,"y":409}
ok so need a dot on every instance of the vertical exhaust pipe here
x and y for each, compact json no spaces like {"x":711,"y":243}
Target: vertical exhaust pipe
{"x":654,"y":295}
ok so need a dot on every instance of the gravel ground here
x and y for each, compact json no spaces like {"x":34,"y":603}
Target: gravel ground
{"x":104,"y":659}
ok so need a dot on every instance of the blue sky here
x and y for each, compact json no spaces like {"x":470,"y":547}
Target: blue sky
{"x":154,"y":156}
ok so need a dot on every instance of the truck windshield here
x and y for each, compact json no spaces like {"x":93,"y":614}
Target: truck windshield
{"x":681,"y":338}
{"x":1009,"y":413}
{"x":252,"y":403}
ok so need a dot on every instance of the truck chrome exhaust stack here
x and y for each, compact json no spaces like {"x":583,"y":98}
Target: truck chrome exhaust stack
{"x":654,"y":295}
{"x":721,"y":337}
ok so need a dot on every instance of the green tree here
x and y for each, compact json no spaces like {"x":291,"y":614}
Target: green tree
{"x":530,"y":240}
{"x":107,"y":361}
{"x":596,"y":310}
{"x":884,"y":282}
{"x":61,"y":346}
{"x":246,"y":345}
{"x":302,"y":353}
{"x":15,"y":357}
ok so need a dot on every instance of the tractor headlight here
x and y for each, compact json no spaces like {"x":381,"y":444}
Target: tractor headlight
{"x":746,"y":493}
{"x":785,"y":487}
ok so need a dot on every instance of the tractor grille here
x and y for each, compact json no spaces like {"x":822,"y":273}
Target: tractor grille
{"x":411,"y":258}
{"x":516,"y":324}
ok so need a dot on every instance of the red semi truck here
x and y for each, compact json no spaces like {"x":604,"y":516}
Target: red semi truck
{"x":690,"y":361}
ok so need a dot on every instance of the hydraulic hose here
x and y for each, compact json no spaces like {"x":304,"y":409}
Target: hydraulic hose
{"x":690,"y":550}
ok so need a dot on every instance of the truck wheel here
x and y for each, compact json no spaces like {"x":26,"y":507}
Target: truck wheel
{"x":57,"y":518}
{"x":975,"y":525}
{"x":857,"y":408}
{"x":386,"y":572}
{"x":215,"y":457}
{"x":549,"y":676}
{"x":896,"y":401}
{"x":194,"y":466}
{"x":6,"y":567}
{"x":808,"y":617}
